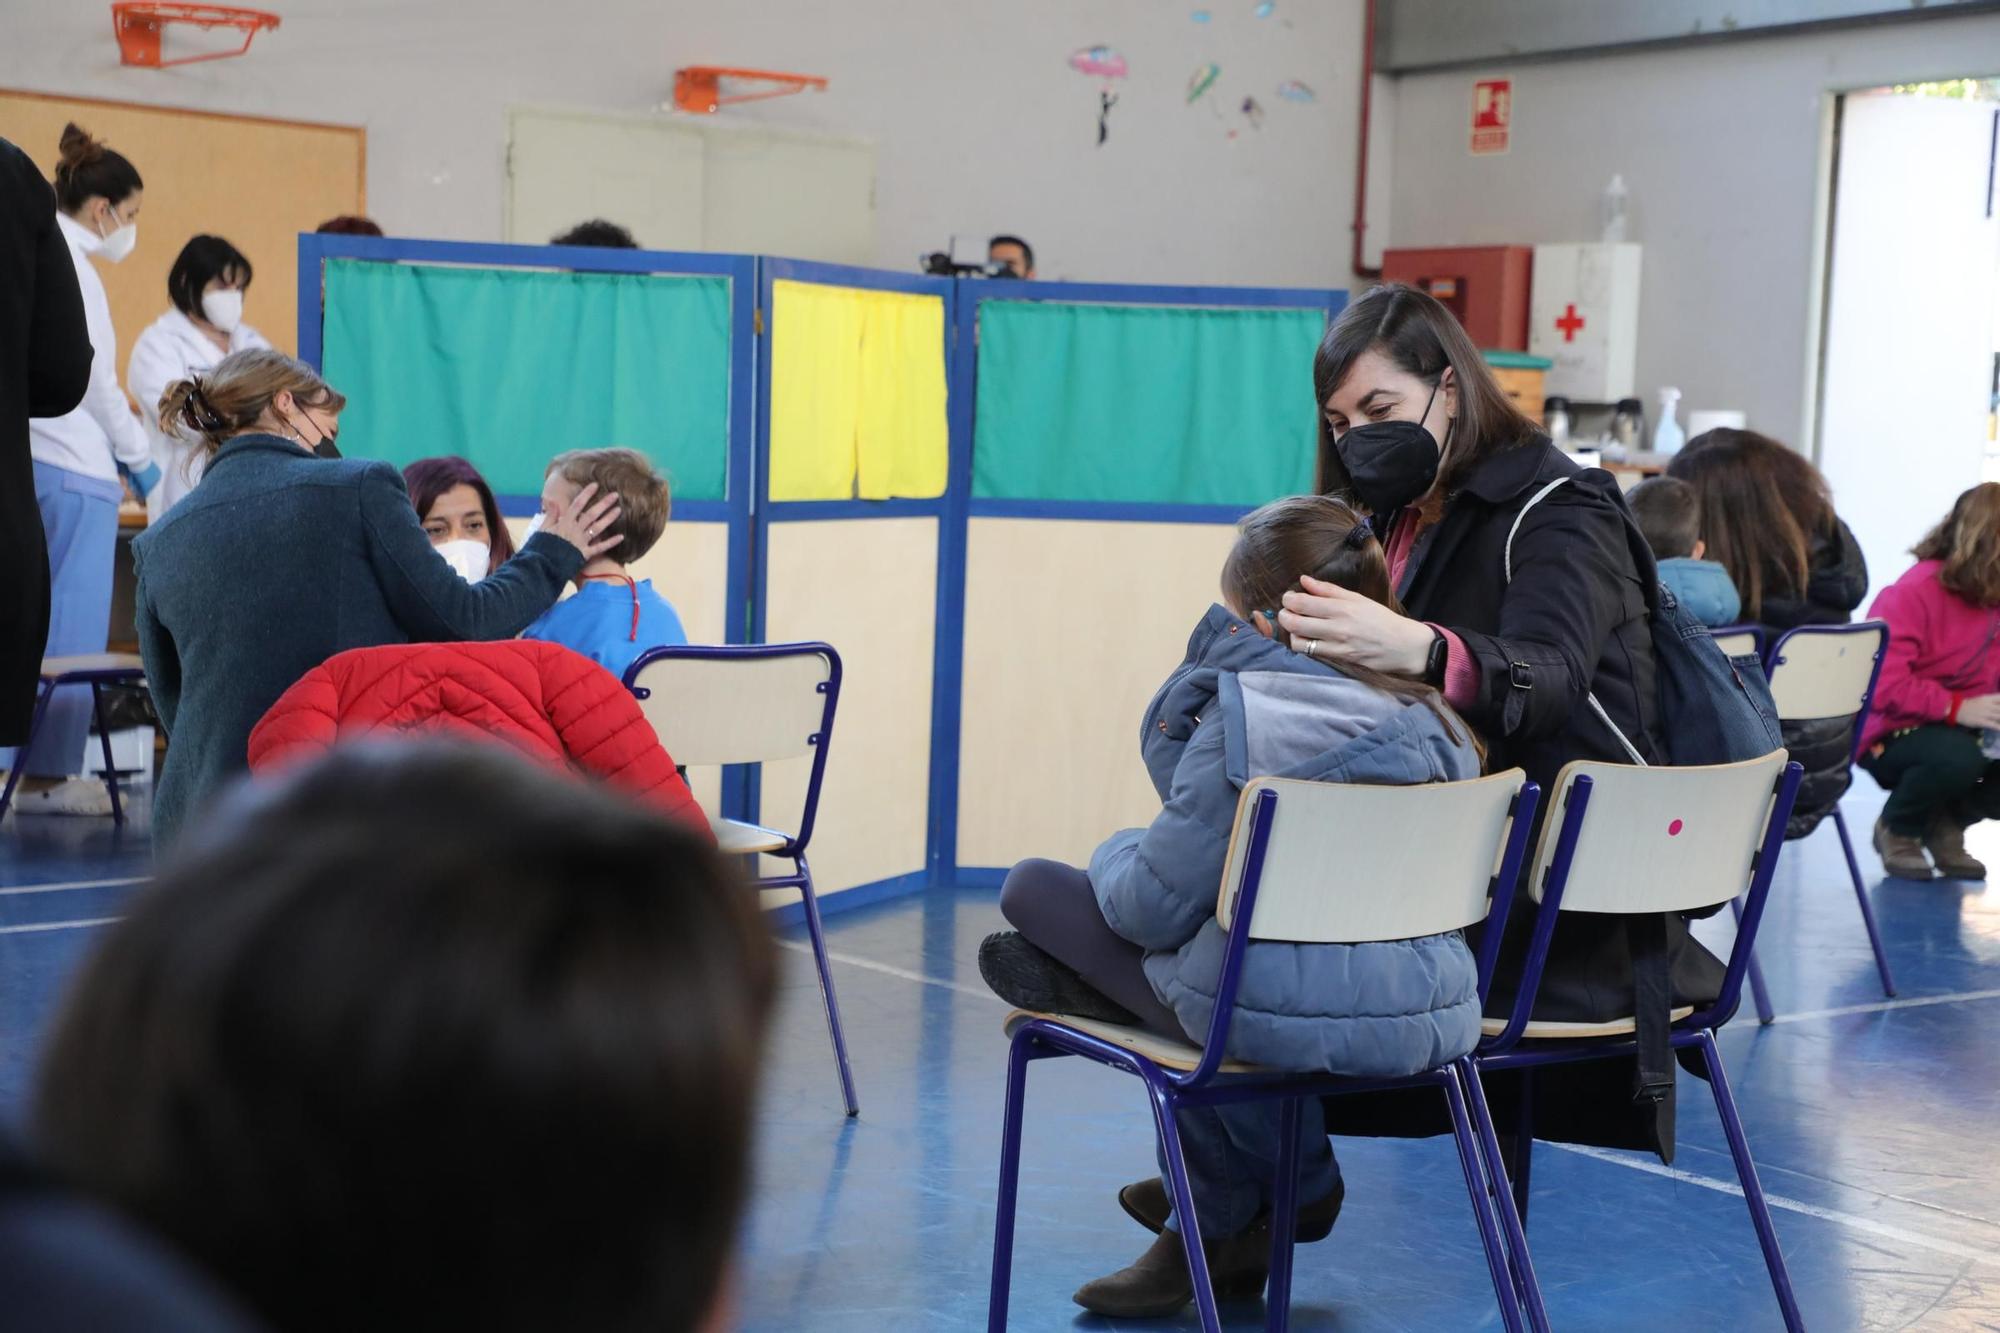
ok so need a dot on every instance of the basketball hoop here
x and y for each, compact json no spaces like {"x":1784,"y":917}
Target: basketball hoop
{"x":699,"y":88}
{"x":138,"y":24}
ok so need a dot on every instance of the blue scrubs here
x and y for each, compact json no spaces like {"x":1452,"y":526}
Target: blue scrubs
{"x":80,"y":515}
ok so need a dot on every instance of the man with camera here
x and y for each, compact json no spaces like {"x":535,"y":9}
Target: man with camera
{"x":1010,"y":257}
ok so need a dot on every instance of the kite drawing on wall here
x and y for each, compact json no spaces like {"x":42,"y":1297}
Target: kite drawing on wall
{"x":1265,"y":9}
{"x":1253,"y":112}
{"x":1294,"y":91}
{"x":1202,"y":80}
{"x":1104,"y":63}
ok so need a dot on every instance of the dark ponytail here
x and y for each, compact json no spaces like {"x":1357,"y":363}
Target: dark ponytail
{"x":1328,"y":538}
{"x":87,"y":169}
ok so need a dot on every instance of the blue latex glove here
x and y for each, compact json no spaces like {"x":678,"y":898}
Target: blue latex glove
{"x":142,"y":481}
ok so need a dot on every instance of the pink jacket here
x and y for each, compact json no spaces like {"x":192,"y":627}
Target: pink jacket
{"x":1942,"y":650}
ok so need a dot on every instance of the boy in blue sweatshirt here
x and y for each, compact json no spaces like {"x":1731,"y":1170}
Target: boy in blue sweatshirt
{"x":1669,"y":514}
{"x":613,"y":618}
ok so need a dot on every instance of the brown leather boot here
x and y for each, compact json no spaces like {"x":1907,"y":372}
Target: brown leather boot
{"x":1158,"y":1284}
{"x":1902,"y":856}
{"x":1945,"y":841}
{"x":1146,"y":1202}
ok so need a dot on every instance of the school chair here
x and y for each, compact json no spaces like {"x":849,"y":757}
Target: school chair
{"x":95,"y":670}
{"x":1275,"y":886}
{"x":1826,"y":674}
{"x":752,"y":704}
{"x":1740,"y":640}
{"x":1629,"y":841}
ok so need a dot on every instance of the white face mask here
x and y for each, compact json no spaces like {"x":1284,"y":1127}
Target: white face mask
{"x":119,"y":241}
{"x":223,"y":308}
{"x":534,"y":525}
{"x":469,"y":558}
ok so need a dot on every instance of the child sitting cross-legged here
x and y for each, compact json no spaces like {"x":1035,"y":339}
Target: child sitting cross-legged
{"x":613,"y":617}
{"x":1134,"y":938}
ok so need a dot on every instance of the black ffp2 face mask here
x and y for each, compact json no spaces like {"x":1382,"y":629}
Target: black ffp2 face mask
{"x":1391,"y":463}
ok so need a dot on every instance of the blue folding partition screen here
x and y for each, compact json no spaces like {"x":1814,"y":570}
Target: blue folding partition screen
{"x":1118,"y":433}
{"x":1005,"y":503}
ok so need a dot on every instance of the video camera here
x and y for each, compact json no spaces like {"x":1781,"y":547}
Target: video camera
{"x":940,"y":263}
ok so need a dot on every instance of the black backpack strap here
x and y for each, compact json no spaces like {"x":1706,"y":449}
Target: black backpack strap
{"x":1652,"y":1014}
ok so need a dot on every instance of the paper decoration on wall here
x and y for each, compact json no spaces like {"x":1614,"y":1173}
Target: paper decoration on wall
{"x":1201,"y":16}
{"x":1294,"y":91}
{"x":1101,"y":61}
{"x":1265,"y":9}
{"x":1253,"y":112}
{"x":1202,"y":80}
{"x":1104,"y":63}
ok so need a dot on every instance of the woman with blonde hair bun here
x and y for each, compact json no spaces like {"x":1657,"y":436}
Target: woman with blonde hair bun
{"x":287,"y":554}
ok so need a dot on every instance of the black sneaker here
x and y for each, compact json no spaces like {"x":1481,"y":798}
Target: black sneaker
{"x":1028,"y":978}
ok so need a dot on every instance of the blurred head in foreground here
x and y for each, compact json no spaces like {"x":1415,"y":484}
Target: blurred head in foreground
{"x":427,"y":1030}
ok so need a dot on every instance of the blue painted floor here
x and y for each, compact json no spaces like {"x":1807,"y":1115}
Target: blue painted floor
{"x":1876,"y":1126}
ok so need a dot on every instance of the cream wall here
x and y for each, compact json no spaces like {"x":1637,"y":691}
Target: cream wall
{"x":1070,"y":627}
{"x":868,"y":587}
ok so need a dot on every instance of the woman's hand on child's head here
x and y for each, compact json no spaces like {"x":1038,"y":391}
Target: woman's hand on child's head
{"x":1327,"y":620}
{"x":582,"y":519}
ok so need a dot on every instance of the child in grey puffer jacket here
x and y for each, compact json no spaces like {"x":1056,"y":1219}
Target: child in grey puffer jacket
{"x":1136,"y":939}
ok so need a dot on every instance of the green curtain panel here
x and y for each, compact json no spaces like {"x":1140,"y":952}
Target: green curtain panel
{"x":1144,"y":404}
{"x":510,"y":367}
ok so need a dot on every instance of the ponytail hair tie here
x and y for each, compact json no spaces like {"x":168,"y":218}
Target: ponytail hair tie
{"x":200,"y":413}
{"x":1359,"y":536}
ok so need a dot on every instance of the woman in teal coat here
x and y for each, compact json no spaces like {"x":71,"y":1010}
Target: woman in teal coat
{"x":287,"y":554}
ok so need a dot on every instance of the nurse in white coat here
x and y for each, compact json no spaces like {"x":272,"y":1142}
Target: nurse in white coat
{"x":207,"y":286}
{"x":79,"y":460}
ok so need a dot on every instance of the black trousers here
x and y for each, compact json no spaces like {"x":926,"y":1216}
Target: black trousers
{"x":1935,"y":770}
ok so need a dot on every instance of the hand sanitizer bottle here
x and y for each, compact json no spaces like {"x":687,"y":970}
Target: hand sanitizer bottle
{"x":1613,"y":211}
{"x":1668,"y":437}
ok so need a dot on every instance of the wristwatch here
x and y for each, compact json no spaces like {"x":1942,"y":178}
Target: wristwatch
{"x":1434,"y":664}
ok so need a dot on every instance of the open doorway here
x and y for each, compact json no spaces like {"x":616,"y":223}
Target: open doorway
{"x":1911,"y":342}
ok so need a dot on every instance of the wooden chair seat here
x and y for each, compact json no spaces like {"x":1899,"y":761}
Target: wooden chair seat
{"x":1162,"y":1051}
{"x":53,"y":667}
{"x":740,"y":839}
{"x":1552,"y":1031}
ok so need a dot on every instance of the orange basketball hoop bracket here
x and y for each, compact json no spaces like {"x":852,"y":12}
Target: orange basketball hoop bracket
{"x":138,"y":24}
{"x":698,"y":88}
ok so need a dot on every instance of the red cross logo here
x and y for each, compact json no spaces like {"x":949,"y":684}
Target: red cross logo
{"x":1569,"y":324}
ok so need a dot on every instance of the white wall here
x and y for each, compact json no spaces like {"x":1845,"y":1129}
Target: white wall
{"x":981,"y":125}
{"x":1720,"y":146}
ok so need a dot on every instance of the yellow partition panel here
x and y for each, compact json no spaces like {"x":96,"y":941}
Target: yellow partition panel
{"x":868,"y":587}
{"x":689,"y":568}
{"x":1070,"y":627}
{"x":857,"y":394}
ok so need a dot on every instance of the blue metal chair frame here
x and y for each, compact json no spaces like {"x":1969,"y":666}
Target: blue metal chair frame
{"x":97,"y":679}
{"x":1169,"y":1090}
{"x":1759,"y":994}
{"x":794,"y":849}
{"x":1507,"y":1050}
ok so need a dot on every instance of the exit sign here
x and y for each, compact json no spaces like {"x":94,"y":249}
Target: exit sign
{"x":1492,"y":116}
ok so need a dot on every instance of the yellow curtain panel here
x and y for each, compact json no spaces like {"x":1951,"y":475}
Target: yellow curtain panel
{"x":857,"y":394}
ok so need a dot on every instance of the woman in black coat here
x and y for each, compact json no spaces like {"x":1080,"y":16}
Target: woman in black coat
{"x":1415,"y":429}
{"x":44,"y":369}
